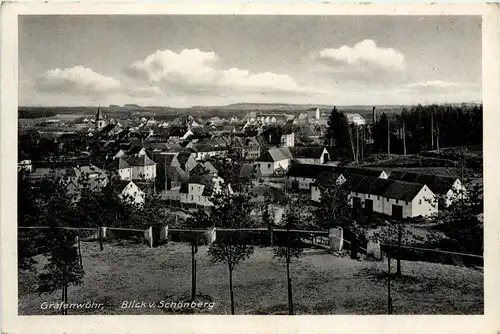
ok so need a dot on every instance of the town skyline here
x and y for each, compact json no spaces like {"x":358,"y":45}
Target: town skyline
{"x":325,"y":60}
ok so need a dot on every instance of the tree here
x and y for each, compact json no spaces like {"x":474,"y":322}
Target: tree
{"x":394,"y":233}
{"x":200,"y":220}
{"x":334,"y":211}
{"x":53,"y":207}
{"x":63,"y":268}
{"x":337,"y":134}
{"x":379,"y":133}
{"x":230,"y":210}
{"x":461,"y":221}
{"x":292,"y":247}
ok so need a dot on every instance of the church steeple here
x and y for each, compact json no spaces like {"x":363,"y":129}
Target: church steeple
{"x":100,"y":121}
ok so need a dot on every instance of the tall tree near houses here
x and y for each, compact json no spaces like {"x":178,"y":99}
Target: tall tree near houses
{"x":351,"y":139}
{"x":432,"y":126}
{"x":437,"y":136}
{"x":334,"y":211}
{"x":54,"y":207}
{"x":230,"y":211}
{"x":63,"y":268}
{"x":337,"y":134}
{"x":388,"y":136}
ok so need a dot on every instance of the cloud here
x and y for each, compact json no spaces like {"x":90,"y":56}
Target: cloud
{"x":194,"y":71}
{"x":434,"y":84}
{"x":143,"y":91}
{"x":77,"y":80}
{"x":364,"y":55}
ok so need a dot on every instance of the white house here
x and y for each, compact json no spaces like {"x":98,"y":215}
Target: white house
{"x":303,"y":176}
{"x":313,"y":113}
{"x":199,"y":188}
{"x":355,"y":118}
{"x":310,"y":155}
{"x":446,"y":188}
{"x":136,"y":168}
{"x":288,"y":139}
{"x":274,"y":159}
{"x":137,"y":151}
{"x":395,"y":198}
{"x":342,"y":174}
{"x":132,"y":194}
{"x":204,"y":151}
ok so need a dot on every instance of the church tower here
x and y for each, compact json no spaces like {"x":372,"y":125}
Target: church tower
{"x":100,"y":119}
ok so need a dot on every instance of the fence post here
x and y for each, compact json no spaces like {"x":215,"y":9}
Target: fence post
{"x":211,"y":235}
{"x":103,"y":232}
{"x":373,"y":250}
{"x":336,"y":239}
{"x":164,"y":233}
{"x":148,"y":235}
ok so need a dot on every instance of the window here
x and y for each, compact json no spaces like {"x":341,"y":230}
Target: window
{"x":378,"y":197}
{"x":419,"y":201}
{"x":397,"y":201}
{"x":269,"y":166}
{"x":191,"y":197}
{"x":387,"y":200}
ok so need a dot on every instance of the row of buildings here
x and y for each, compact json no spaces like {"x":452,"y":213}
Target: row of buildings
{"x":178,"y":165}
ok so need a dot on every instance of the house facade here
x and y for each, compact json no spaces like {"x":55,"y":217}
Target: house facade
{"x":303,"y":176}
{"x":198,"y":189}
{"x":132,"y":194}
{"x":446,"y":188}
{"x":274,"y":159}
{"x":394,"y":198}
{"x":310,"y":155}
{"x":137,"y":168}
{"x":288,"y":139}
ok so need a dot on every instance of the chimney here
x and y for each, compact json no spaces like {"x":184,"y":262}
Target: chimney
{"x":374,"y":115}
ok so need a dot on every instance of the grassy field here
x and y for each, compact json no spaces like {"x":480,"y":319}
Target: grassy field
{"x":322,"y":284}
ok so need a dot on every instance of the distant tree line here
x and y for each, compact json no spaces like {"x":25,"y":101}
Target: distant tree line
{"x":432,"y":127}
{"x":36,"y":113}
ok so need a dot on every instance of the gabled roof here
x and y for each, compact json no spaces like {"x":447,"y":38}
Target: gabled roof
{"x":275,"y":154}
{"x":394,"y":189}
{"x":208,"y":165}
{"x":308,"y":131}
{"x":307,"y":152}
{"x":178,"y":132}
{"x":176,"y":173}
{"x":199,"y":169}
{"x":134,"y":150}
{"x":164,"y":159}
{"x":183,"y":157}
{"x":311,"y":171}
{"x":245,"y":171}
{"x":140,"y":161}
{"x":437,"y":184}
{"x":204,"y":180}
{"x":207,"y":148}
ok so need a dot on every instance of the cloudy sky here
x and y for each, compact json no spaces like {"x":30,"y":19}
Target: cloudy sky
{"x":215,"y":60}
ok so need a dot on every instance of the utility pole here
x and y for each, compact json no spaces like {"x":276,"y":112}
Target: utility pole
{"x":432,"y":129}
{"x":437,"y":136}
{"x":404,"y":138}
{"x":388,"y":137}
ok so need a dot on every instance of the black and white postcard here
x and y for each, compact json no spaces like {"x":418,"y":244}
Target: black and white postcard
{"x":278,"y":162}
